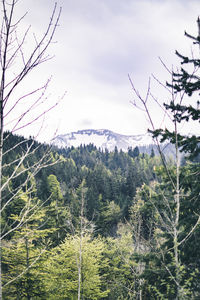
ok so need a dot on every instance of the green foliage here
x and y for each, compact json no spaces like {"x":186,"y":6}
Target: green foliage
{"x":22,"y":258}
{"x":53,"y":200}
{"x":124,"y":202}
{"x":122,"y":277}
{"x":110,"y":215}
{"x":61,"y":268}
{"x":184,"y":82}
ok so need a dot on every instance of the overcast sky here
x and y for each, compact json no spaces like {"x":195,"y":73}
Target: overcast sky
{"x":99,"y":42}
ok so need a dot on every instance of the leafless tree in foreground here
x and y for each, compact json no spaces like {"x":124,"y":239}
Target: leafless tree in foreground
{"x":19,"y":111}
{"x":170,"y":221}
{"x":170,"y":218}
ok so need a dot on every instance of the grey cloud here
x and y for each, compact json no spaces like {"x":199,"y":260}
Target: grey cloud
{"x":86,"y":123}
{"x":100,"y":41}
{"x":110,"y":38}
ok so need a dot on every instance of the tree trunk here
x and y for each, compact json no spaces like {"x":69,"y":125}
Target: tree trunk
{"x":2,"y":87}
{"x":27,"y":266}
{"x":11,"y":52}
{"x":80,"y":245}
{"x":1,"y":155}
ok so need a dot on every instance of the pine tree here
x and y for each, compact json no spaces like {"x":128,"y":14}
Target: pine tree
{"x":185,"y":81}
{"x":23,"y":254}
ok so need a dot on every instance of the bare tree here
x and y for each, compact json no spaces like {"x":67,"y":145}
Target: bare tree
{"x":84,"y":227}
{"x":170,"y":218}
{"x":17,"y":63}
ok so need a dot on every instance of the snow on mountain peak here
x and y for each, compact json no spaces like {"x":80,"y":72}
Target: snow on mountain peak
{"x":101,"y":138}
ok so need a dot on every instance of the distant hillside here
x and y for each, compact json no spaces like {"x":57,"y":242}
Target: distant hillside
{"x":107,"y":139}
{"x":102,"y":138}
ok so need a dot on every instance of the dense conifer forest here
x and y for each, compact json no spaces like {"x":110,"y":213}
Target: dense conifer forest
{"x":99,"y":217}
{"x":85,"y":223}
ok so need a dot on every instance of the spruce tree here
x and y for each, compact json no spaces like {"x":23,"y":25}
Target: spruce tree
{"x":186,"y":81}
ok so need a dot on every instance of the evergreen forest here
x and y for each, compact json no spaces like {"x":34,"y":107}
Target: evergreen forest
{"x":100,"y":217}
{"x":85,"y":223}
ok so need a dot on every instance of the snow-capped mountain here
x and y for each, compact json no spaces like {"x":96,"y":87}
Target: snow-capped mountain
{"x":102,"y":138}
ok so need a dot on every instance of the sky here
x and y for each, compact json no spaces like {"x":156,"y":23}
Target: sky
{"x":97,"y":44}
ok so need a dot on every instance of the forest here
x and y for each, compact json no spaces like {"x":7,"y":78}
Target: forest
{"x":99,"y":217}
{"x":86,"y":223}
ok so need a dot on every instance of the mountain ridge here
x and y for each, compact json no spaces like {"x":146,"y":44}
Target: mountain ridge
{"x":102,"y":138}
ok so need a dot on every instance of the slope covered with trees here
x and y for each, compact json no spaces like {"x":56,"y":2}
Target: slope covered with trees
{"x":102,"y":216}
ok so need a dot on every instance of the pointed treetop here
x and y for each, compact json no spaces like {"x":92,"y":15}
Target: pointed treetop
{"x":198,"y":24}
